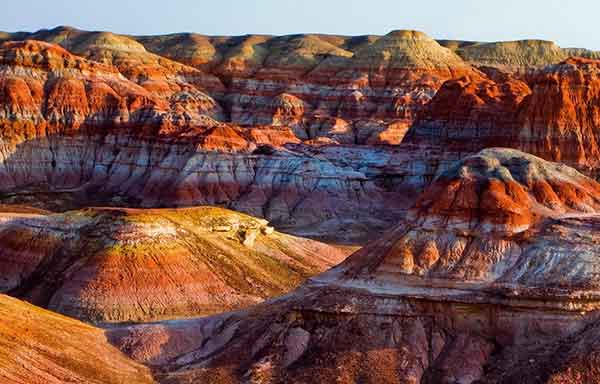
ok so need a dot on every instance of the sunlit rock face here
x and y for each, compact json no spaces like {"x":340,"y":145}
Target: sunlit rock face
{"x":72,"y":124}
{"x":116,"y":265}
{"x":497,"y":255}
{"x":298,"y":80}
{"x":550,"y":113}
{"x":42,"y":346}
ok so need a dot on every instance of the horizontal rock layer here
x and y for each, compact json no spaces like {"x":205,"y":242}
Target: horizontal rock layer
{"x":500,"y":224}
{"x":344,"y":335}
{"x":103,"y":115}
{"x":309,"y":89}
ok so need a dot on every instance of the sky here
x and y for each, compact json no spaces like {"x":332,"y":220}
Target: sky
{"x":572,"y":23}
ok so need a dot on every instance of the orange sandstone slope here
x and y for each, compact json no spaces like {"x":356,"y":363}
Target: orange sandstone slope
{"x":499,"y":257}
{"x":500,"y":217}
{"x":46,"y":88}
{"x":39,"y":346}
{"x":117,"y":265}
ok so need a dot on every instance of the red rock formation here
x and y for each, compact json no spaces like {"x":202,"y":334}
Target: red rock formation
{"x":46,"y":85}
{"x":553,"y":115}
{"x":114,"y":265}
{"x":371,"y":81}
{"x":472,"y":112}
{"x":132,"y":114}
{"x":561,"y":118}
{"x":132,"y":122}
{"x":314,"y":69}
{"x":62,"y":91}
{"x":69,"y":127}
{"x":499,"y":252}
{"x":474,"y":223}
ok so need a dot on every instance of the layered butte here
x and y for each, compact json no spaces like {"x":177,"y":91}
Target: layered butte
{"x":500,"y":225}
{"x":498,"y":255}
{"x":552,"y":113}
{"x":116,"y":265}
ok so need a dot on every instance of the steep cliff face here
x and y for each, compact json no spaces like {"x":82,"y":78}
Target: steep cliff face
{"x":552,"y":113}
{"x":471,"y":113}
{"x":38,"y":346}
{"x":500,"y":251}
{"x":115,"y":265}
{"x":561,"y":117}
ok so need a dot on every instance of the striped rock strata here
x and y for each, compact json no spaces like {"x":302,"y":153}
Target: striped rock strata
{"x":288,"y":128}
{"x":116,"y":265}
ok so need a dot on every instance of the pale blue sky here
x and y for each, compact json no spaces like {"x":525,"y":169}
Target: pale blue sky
{"x":570,"y":23}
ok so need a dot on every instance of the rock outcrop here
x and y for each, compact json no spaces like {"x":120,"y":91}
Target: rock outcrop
{"x":520,"y":55}
{"x":48,"y":89}
{"x":116,"y":265}
{"x":39,"y":346}
{"x":552,"y":114}
{"x":559,"y":120}
{"x":498,"y":255}
{"x":500,"y":218}
{"x":380,"y":80}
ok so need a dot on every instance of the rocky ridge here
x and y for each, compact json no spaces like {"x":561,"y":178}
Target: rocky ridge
{"x":118,"y":265}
